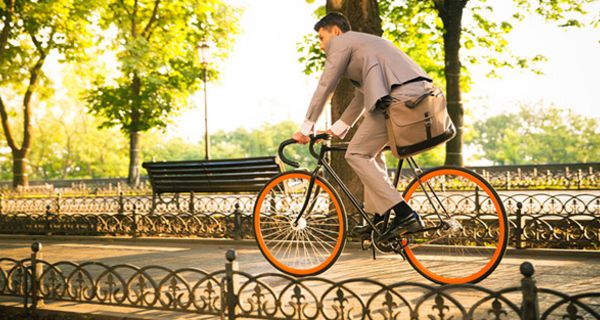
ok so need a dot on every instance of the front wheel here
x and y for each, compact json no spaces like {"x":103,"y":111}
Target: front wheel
{"x":300,"y":247}
{"x":469,"y":241}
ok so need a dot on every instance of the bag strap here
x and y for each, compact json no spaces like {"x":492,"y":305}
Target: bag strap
{"x":390,"y":131}
{"x":413,"y":104}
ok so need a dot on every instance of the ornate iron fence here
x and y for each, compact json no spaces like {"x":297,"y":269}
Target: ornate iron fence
{"x":536,"y":220}
{"x":577,"y":176}
{"x":232,"y":294}
{"x":573,"y":176}
{"x":558,"y":203}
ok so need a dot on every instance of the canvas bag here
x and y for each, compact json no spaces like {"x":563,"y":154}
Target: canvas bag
{"x":417,"y":125}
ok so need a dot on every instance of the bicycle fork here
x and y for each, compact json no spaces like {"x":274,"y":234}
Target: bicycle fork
{"x":307,"y":199}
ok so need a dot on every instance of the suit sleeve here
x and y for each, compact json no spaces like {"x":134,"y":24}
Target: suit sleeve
{"x":335,"y":66}
{"x":354,"y":110}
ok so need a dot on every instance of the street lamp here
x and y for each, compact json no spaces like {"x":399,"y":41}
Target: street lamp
{"x":203,"y":52}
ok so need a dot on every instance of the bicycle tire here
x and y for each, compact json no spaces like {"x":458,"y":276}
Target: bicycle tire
{"x":316,"y":242}
{"x":474,"y":243}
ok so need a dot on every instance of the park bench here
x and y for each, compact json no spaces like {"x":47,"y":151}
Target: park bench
{"x":233,"y":176}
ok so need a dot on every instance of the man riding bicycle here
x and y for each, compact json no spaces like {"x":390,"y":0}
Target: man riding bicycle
{"x":379,"y":71}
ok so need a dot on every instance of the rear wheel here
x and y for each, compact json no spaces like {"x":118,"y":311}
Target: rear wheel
{"x":473,"y":233}
{"x":300,"y":247}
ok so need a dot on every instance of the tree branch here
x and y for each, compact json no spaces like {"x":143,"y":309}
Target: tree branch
{"x":6,"y":29}
{"x":33,"y":79}
{"x":133,"y":26}
{"x":27,"y":130}
{"x":146,"y":33}
{"x":38,"y":45}
{"x":6,"y":127}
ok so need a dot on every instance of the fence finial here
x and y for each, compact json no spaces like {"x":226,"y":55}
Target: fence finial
{"x":36,"y":246}
{"x":530,"y":309}
{"x":231,"y":255}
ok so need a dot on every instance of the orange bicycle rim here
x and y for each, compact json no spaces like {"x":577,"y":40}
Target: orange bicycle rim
{"x":502,"y":231}
{"x":283,"y":267}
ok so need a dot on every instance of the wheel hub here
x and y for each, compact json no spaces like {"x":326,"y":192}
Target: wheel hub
{"x":300,"y":225}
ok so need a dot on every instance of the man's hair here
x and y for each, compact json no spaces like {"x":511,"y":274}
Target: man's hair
{"x":333,"y":19}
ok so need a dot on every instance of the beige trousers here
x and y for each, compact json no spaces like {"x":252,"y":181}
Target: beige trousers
{"x":366,"y":158}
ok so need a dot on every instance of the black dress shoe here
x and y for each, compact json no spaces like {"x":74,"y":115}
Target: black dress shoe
{"x":410,"y":224}
{"x":366,"y":229}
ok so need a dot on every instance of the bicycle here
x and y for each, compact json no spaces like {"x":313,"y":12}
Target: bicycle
{"x":300,"y":222}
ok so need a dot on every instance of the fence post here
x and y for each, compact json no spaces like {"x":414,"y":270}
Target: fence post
{"x":134,"y":222}
{"x":35,"y":273}
{"x":58,"y":197}
{"x":530,"y":309}
{"x":47,"y":228}
{"x":191,"y":205}
{"x":121,"y":203}
{"x":477,"y":204}
{"x":231,"y":267}
{"x":507,"y":180}
{"x":519,"y":223}
{"x":237,"y":221}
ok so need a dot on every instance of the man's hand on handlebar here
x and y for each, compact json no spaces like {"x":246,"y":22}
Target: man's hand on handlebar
{"x":301,"y":138}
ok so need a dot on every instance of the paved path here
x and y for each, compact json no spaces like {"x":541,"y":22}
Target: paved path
{"x":568,"y":271}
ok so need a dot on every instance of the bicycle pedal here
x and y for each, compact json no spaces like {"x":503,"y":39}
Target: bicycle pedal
{"x":398,"y":248}
{"x":366,"y":243}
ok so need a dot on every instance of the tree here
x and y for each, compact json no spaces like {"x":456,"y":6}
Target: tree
{"x":432,"y":32}
{"x":30,"y":32}
{"x":539,"y":135}
{"x":159,"y":67}
{"x":437,"y":29}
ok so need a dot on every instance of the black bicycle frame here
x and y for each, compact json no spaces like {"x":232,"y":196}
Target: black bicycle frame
{"x":323,"y":164}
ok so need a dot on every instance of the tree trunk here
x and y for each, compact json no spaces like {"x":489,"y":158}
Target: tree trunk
{"x":134,"y":159}
{"x":451,"y":11}
{"x":364,"y":17}
{"x":20,"y":168}
{"x":133,"y":177}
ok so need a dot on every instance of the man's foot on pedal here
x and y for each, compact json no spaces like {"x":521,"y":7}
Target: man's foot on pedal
{"x":366,"y":229}
{"x":410,"y":224}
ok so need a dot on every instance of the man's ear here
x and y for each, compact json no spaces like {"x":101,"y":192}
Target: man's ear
{"x":337,"y":31}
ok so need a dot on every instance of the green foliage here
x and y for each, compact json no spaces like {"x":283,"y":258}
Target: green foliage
{"x":539,"y":135}
{"x":70,"y":146}
{"x":265,"y":140}
{"x":415,"y":27}
{"x":159,"y":64}
{"x":428,"y":159}
{"x":38,"y":28}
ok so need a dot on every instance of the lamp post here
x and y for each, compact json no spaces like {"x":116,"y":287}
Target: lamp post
{"x":202,"y":51}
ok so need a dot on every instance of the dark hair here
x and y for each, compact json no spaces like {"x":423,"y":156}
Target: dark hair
{"x":333,"y":19}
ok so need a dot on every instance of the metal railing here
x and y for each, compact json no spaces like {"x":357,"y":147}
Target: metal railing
{"x":231,"y":293}
{"x":570,"y":176}
{"x":536,"y":220}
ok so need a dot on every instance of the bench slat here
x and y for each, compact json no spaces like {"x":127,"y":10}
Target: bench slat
{"x":160,"y":178}
{"x":213,"y":176}
{"x":209,"y":188}
{"x":208,"y":171}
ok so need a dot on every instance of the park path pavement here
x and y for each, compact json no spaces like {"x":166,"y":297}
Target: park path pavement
{"x":569,"y":271}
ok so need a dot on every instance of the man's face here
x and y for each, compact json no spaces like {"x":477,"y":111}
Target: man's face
{"x":326,"y":34}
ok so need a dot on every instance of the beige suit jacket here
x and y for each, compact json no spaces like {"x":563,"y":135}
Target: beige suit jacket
{"x":373,"y":65}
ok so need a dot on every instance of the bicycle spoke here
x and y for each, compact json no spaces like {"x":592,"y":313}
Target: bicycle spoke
{"x":469,"y":250}
{"x":297,"y":245}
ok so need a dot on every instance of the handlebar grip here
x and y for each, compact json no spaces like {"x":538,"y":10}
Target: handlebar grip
{"x":320,"y":136}
{"x":314,"y":139}
{"x":282,"y":155}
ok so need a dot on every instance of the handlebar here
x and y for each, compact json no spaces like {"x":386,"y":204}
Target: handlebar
{"x":313,"y":140}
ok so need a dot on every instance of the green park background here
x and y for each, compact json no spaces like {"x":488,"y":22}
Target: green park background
{"x":100,"y":122}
